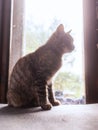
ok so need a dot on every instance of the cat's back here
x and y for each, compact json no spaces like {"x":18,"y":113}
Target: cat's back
{"x":22,"y":70}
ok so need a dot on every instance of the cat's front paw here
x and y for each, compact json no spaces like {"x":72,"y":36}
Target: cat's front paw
{"x":56,"y":103}
{"x":46,"y":106}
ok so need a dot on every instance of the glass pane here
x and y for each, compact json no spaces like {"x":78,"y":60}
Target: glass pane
{"x":41,"y":19}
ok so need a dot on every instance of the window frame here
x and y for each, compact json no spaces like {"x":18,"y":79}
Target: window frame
{"x":5,"y":17}
{"x":90,"y":49}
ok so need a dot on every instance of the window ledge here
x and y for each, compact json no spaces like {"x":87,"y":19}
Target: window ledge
{"x":64,"y":117}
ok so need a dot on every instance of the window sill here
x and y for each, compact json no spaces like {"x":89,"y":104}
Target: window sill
{"x":69,"y":117}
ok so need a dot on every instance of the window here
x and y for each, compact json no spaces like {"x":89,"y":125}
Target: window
{"x":34,"y":30}
{"x":18,"y":48}
{"x":41,"y":19}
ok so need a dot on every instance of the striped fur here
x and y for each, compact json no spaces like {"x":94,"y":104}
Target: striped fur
{"x":31,"y":79}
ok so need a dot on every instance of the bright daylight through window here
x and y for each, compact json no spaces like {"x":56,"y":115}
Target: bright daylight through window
{"x":41,"y":19}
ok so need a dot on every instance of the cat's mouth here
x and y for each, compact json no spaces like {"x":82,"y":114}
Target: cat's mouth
{"x":70,"y":49}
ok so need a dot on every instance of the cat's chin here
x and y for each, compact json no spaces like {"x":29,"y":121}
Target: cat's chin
{"x":69,"y":50}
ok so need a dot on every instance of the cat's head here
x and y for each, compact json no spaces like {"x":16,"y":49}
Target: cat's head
{"x":65,"y":39}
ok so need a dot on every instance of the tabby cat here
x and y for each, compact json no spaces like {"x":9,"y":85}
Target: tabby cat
{"x":31,"y":79}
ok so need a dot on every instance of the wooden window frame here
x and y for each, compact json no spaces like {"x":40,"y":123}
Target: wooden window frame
{"x":5,"y":16}
{"x":90,"y":51}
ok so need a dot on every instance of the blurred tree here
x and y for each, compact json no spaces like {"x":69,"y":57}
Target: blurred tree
{"x":67,"y":81}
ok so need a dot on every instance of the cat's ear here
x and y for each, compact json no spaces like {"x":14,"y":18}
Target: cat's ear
{"x":69,"y":31}
{"x":60,"y":28}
